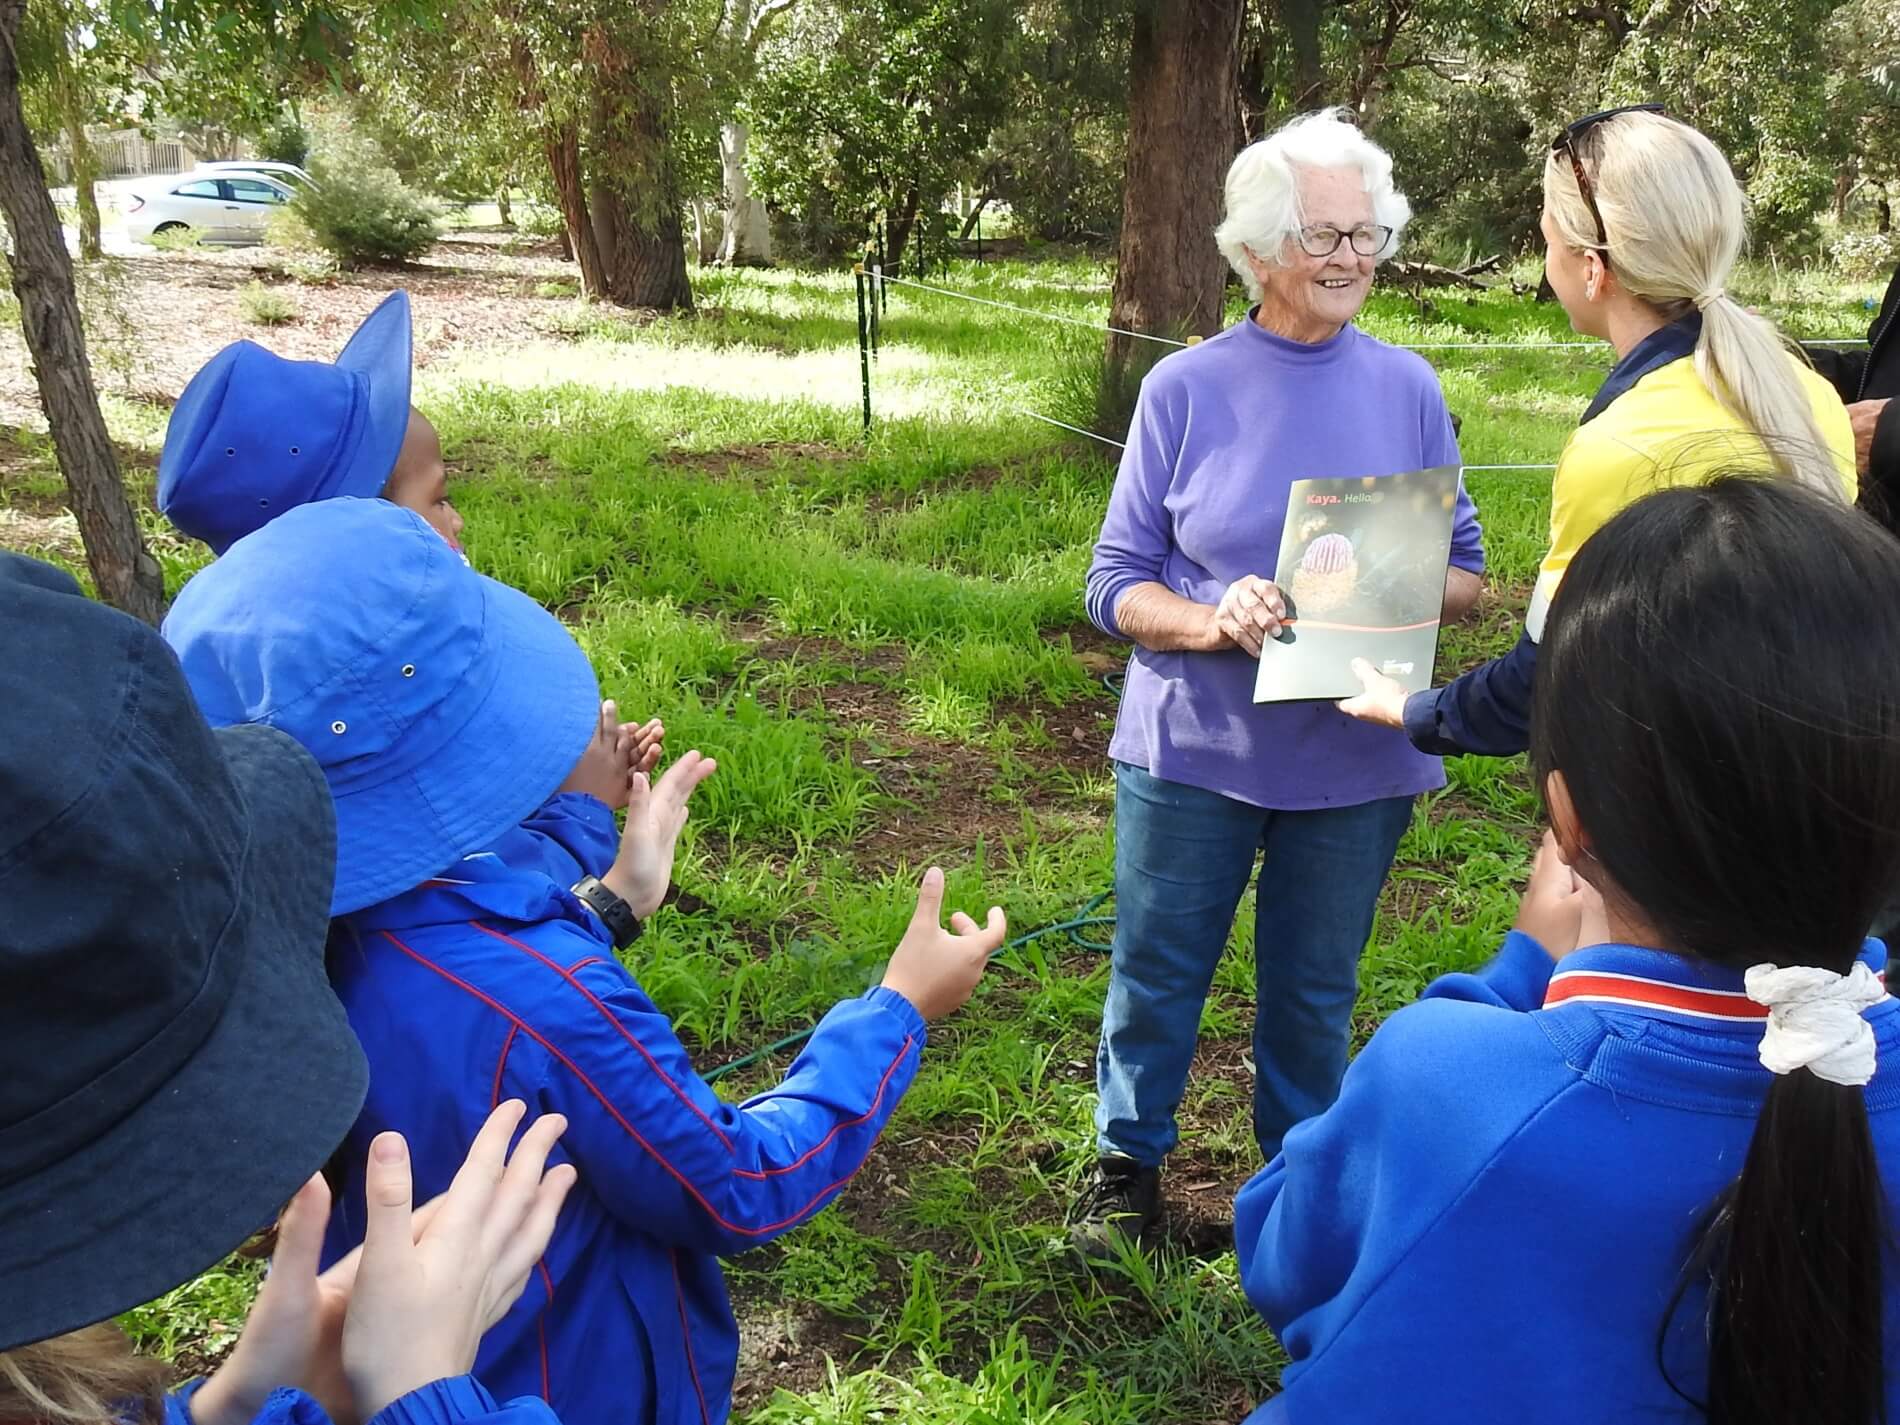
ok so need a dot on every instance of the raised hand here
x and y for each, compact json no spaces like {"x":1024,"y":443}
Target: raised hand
{"x":655,"y":814}
{"x":639,"y":745}
{"x":937,"y":970}
{"x":603,"y":772}
{"x":295,"y":1330}
{"x":423,"y":1299}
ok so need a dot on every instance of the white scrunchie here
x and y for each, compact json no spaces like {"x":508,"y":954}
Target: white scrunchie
{"x":1815,"y":1019}
{"x":1709,"y":299}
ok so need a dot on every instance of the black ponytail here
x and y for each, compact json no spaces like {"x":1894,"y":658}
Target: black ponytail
{"x":1719,"y":684}
{"x":1795,"y":1317}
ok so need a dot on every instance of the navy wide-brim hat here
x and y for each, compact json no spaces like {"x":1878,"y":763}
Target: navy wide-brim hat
{"x":255,"y":435}
{"x":443,"y":707}
{"x":177,"y":1064}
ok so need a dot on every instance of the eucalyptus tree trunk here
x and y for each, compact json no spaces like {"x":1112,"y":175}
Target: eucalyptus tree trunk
{"x":748,"y":236}
{"x":1182,"y":131}
{"x":123,"y":570}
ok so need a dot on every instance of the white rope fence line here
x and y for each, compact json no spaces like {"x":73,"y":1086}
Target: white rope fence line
{"x":1051,"y":420}
{"x":878,"y":275}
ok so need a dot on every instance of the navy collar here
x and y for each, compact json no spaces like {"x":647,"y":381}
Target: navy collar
{"x":1662,"y":346}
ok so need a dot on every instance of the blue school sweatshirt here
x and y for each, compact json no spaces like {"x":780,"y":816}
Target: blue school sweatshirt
{"x":493,"y":982}
{"x":455,"y":1400}
{"x":1489,"y":1223}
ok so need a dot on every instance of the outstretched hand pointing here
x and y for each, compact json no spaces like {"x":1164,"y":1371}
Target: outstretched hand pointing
{"x":937,"y":970}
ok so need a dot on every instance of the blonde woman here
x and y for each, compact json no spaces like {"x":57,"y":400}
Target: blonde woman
{"x":1643,"y":222}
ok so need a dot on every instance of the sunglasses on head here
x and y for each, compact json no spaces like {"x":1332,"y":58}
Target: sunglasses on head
{"x":1566,"y":144}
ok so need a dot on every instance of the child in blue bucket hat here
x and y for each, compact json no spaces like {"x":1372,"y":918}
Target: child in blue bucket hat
{"x":442,"y":707}
{"x":162,"y":976}
{"x":255,"y":435}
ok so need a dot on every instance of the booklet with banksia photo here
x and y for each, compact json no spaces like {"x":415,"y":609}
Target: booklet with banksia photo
{"x":1362,"y":567}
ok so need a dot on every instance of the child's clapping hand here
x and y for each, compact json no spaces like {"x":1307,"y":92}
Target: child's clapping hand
{"x":656,"y":813}
{"x":617,"y":751}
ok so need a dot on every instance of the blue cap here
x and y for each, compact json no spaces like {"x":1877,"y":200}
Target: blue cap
{"x":443,"y":707}
{"x":254,"y":435}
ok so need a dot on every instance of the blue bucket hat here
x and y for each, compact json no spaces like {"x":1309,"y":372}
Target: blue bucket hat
{"x":442,"y":706}
{"x":255,"y":435}
{"x":177,"y":1065}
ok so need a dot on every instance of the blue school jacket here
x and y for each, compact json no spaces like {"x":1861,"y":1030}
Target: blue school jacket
{"x":1490,"y":1222}
{"x":452,"y":1401}
{"x":493,"y":982}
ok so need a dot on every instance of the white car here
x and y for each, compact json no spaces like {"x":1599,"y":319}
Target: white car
{"x":288,"y":174}
{"x":219,"y":206}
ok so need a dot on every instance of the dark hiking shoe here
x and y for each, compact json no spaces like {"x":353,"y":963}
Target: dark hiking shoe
{"x":1121,"y":1201}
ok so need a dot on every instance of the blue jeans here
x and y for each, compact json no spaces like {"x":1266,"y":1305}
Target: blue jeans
{"x":1182,"y":858}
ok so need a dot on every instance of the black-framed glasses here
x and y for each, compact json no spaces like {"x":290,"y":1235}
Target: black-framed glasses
{"x":1323,"y":239}
{"x":1566,"y":144}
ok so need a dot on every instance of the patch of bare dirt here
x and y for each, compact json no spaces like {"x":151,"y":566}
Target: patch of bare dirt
{"x":772,"y":647}
{"x":785,"y":1345}
{"x":763,"y":455}
{"x":946,"y":784}
{"x":945,"y":787}
{"x":57,"y":532}
{"x":467,"y":293}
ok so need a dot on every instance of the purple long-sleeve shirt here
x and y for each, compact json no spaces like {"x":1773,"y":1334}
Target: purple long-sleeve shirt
{"x":1220,"y":433}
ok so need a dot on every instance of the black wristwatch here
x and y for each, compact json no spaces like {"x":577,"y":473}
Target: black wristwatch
{"x":614,"y":913}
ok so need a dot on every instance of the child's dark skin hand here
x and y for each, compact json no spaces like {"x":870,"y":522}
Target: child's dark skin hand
{"x":616,"y":752}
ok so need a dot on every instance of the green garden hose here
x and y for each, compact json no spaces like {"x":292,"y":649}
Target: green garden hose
{"x":1082,"y":920}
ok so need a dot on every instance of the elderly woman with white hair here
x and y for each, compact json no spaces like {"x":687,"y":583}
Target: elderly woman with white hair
{"x":1205,"y":778}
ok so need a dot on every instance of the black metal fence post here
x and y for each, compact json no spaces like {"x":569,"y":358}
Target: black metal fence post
{"x":864,"y":350}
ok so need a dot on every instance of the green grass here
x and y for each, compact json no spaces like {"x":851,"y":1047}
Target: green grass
{"x":878,"y":639}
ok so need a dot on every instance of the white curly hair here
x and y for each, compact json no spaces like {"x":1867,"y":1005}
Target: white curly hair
{"x":1263,"y":190}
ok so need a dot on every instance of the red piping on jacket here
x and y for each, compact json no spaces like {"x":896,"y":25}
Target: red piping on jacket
{"x":756,"y":1174}
{"x":541,"y":1316}
{"x":614,"y":1112}
{"x":686,"y":1335}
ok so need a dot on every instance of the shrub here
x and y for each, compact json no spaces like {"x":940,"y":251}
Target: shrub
{"x":266,"y":307}
{"x":174,"y":239}
{"x":1865,"y":257}
{"x":300,"y":258}
{"x":316,"y":268}
{"x":285,"y":141}
{"x":537,"y":220}
{"x":360,"y":212}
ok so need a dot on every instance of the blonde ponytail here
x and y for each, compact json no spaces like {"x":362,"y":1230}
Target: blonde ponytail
{"x":1676,"y":220}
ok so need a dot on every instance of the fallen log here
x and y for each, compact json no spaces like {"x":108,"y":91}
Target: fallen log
{"x":1430,"y":274}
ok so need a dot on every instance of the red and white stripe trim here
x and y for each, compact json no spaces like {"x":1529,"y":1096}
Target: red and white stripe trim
{"x":1617,"y":990}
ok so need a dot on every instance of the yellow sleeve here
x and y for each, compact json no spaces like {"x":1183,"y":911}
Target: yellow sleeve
{"x":1593,"y":480}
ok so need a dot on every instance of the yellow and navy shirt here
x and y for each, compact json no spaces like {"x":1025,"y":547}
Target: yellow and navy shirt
{"x":1664,"y":429}
{"x":1654,"y":425}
